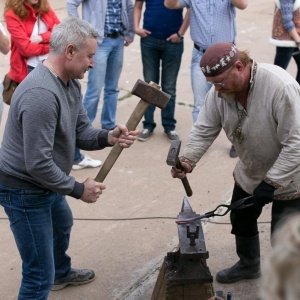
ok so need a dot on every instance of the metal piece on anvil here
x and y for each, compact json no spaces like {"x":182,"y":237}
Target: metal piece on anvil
{"x":192,"y":235}
{"x":199,"y":249}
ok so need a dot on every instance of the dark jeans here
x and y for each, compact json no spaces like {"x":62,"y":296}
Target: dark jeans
{"x":156,"y":53}
{"x":41,"y":223}
{"x":283,"y":57}
{"x":244,"y":221}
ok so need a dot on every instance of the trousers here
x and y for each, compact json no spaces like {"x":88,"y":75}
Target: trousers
{"x":244,"y":221}
{"x":283,"y":57}
{"x":41,"y":223}
{"x":161,"y":60}
{"x":199,"y":84}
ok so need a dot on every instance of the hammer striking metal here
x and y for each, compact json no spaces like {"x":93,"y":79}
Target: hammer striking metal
{"x":173,"y":160}
{"x":150,"y":94}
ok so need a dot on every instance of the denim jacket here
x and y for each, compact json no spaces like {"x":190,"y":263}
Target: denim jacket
{"x":94,"y":12}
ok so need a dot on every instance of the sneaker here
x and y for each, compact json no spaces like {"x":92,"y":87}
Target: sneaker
{"x":172,"y":135}
{"x":87,"y":162}
{"x":77,"y":277}
{"x":144,"y":135}
{"x":232,"y":152}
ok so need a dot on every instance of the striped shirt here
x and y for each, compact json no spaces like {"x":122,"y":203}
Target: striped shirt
{"x":211,"y":21}
{"x":113,"y":17}
{"x":287,"y":9}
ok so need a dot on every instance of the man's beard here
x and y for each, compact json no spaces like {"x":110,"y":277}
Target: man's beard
{"x":236,"y":89}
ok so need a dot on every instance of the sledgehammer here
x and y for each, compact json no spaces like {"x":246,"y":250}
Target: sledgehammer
{"x":173,"y":160}
{"x":149,"y":94}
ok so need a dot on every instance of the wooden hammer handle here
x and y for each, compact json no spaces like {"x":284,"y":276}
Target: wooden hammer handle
{"x":184,"y":180}
{"x":187,"y":186}
{"x":131,"y":124}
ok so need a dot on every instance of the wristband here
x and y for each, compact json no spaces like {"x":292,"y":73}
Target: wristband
{"x":181,"y":37}
{"x":188,"y":161}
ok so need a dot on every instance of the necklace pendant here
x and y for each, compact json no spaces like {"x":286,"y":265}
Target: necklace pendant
{"x":238,"y":134}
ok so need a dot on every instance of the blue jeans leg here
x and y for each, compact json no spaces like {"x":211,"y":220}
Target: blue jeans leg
{"x":62,"y":222}
{"x":108,"y":63}
{"x":106,"y":72}
{"x":158,"y":53}
{"x":78,"y":157}
{"x":199,"y":84}
{"x":41,"y":223}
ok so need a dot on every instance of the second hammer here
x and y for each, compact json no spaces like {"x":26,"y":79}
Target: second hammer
{"x":173,"y":160}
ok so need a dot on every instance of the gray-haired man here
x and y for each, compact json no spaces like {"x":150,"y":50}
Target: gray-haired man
{"x":46,"y":120}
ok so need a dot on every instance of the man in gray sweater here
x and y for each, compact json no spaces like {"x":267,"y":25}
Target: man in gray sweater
{"x":258,"y":107}
{"x":46,"y":121}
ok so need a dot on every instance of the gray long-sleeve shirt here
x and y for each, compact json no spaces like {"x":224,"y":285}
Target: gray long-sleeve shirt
{"x":46,"y":120}
{"x":271,"y":129}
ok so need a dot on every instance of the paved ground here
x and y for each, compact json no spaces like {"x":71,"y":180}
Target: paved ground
{"x":126,"y":234}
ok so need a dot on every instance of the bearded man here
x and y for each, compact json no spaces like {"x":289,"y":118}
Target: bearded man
{"x":258,"y":107}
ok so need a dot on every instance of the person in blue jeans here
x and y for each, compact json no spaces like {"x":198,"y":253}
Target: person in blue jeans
{"x":114,"y":22}
{"x":161,"y":46}
{"x":211,"y":22}
{"x":46,"y":120}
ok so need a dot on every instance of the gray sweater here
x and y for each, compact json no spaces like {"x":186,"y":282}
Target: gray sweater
{"x":46,"y":121}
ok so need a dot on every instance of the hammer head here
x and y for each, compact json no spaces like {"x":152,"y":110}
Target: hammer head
{"x":150,"y":94}
{"x":172,"y":158}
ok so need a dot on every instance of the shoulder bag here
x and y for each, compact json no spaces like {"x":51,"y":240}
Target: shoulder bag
{"x":9,"y":87}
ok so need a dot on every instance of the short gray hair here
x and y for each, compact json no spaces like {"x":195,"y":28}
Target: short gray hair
{"x":71,"y":31}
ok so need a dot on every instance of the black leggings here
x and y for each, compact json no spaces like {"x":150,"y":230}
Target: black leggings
{"x":283,"y":57}
{"x":244,"y":221}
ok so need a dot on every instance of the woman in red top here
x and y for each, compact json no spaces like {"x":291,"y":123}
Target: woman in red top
{"x":30,"y":24}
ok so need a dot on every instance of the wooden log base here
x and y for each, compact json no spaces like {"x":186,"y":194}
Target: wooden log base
{"x":182,"y":281}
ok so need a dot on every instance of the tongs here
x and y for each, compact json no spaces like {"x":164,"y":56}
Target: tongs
{"x":240,"y":204}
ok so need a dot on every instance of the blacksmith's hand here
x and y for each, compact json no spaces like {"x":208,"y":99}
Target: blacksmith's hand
{"x":181,"y":173}
{"x":121,"y":135}
{"x":263,"y":193}
{"x":92,"y":190}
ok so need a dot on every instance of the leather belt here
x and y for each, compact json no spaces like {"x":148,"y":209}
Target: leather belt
{"x":199,"y":48}
{"x":114,"y":34}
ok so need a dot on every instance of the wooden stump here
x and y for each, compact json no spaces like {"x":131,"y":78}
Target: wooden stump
{"x":173,"y":284}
